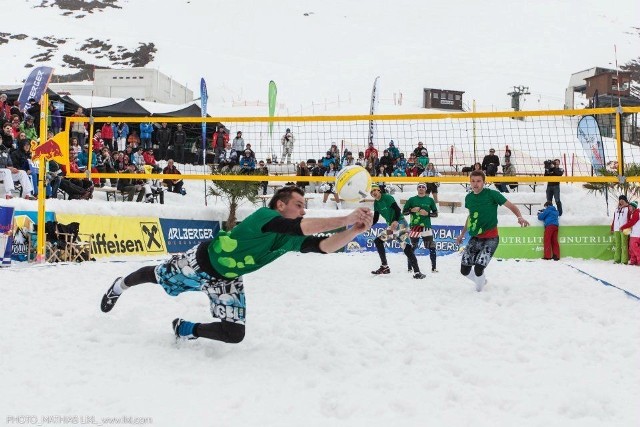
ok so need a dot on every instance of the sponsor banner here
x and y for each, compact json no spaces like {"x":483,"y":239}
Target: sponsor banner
{"x":587,"y":242}
{"x":204,"y":99}
{"x":591,"y":140}
{"x":118,"y":236}
{"x":374,"y":105}
{"x":6,"y":235}
{"x":24,"y":232}
{"x":34,"y":87}
{"x":273,"y":93}
{"x":444,"y":237}
{"x":181,"y":235}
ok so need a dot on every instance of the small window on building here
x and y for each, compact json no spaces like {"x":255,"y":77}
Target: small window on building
{"x":458,"y":97}
{"x":120,"y":77}
{"x":141,"y":77}
{"x":435,"y":95}
{"x":450,"y":96}
{"x":127,"y":77}
{"x":114,"y":77}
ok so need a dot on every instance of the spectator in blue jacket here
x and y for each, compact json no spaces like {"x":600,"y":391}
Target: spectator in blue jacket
{"x":328,"y":159}
{"x":146,"y":129}
{"x":247,"y":162}
{"x":549,"y":215}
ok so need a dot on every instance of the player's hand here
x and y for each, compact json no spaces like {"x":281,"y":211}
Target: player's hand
{"x":523,"y":222}
{"x":358,"y":215}
{"x":459,"y":239}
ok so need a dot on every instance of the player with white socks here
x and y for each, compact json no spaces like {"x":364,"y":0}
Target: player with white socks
{"x":482,"y":224}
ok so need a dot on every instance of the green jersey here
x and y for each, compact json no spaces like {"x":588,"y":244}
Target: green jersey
{"x":247,"y":248}
{"x":425,"y":203}
{"x":483,"y":210}
{"x":383,"y":207}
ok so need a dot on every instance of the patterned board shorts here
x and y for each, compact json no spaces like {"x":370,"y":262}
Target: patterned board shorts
{"x":479,"y":251}
{"x":183,"y":274}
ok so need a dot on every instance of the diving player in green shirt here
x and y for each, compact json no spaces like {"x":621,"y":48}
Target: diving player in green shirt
{"x":385,"y":205}
{"x":216,"y":266}
{"x":482,"y":224}
{"x":422,"y":208}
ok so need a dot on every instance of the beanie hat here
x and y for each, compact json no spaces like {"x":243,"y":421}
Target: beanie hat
{"x":375,"y":187}
{"x":634,"y":204}
{"x":623,"y":197}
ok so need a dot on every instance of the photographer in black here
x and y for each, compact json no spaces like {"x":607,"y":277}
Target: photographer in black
{"x":552,"y":168}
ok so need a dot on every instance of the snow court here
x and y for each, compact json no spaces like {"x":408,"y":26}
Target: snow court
{"x":541,"y":344}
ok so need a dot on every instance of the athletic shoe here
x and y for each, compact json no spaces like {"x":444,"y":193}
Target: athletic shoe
{"x":434,"y":270}
{"x":183,"y":330}
{"x":410,"y":270}
{"x":109,"y":299}
{"x":555,"y":258}
{"x":419,"y":275}
{"x":384,"y":269}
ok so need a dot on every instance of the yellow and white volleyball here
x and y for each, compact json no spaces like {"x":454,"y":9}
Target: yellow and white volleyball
{"x":626,"y":231}
{"x":353,"y":183}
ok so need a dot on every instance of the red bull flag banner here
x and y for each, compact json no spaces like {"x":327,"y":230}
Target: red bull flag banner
{"x":35,"y":86}
{"x":55,"y":148}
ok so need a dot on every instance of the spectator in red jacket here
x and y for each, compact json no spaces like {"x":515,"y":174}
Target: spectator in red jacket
{"x":107,"y":135}
{"x":369,"y":150}
{"x":149,"y":159}
{"x":633,"y":227}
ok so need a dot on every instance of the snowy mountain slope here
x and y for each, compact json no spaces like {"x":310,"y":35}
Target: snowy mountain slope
{"x":317,"y":50}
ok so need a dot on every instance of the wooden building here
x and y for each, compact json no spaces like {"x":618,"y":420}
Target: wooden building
{"x":443,"y":98}
{"x":607,"y":84}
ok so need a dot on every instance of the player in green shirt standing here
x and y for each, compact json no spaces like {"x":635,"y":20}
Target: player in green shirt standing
{"x":482,"y":224}
{"x":385,"y":205}
{"x":422,"y":208}
{"x":216,"y":266}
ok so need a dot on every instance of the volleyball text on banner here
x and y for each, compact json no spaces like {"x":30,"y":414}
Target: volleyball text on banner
{"x":591,"y":140}
{"x":35,"y":86}
{"x":6,"y":235}
{"x":374,"y":105}
{"x":273,"y":93}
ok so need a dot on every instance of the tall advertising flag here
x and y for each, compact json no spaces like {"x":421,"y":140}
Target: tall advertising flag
{"x":273,"y":93}
{"x":591,"y":140}
{"x":374,"y":105}
{"x":35,"y":86}
{"x":203,"y":109}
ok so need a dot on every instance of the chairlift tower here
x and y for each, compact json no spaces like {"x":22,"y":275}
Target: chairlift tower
{"x":518,"y":91}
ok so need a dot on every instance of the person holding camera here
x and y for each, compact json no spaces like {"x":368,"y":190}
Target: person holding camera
{"x":549,"y":215}
{"x":552,"y":168}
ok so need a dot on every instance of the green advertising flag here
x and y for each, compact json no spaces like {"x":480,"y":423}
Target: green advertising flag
{"x":273,"y":93}
{"x":586,"y":242}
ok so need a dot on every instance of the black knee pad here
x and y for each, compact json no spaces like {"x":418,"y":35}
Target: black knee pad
{"x":479,"y":269}
{"x":465,"y":270}
{"x":234,"y":332}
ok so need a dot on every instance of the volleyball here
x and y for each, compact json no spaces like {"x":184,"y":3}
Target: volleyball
{"x":353,"y":183}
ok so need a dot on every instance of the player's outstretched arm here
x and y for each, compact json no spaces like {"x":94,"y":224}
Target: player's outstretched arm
{"x":318,"y":225}
{"x":339,"y":240}
{"x":513,"y":208}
